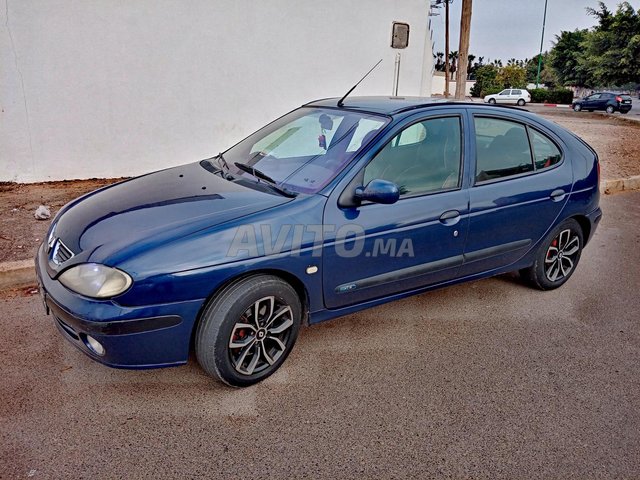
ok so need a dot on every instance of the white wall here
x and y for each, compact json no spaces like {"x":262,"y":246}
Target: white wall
{"x":438,"y":81}
{"x":107,"y":88}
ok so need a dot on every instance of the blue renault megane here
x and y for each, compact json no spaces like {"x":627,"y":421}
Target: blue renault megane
{"x":333,"y":208}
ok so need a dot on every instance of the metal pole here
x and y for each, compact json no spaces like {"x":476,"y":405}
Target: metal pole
{"x":446,"y":48}
{"x":396,"y":75}
{"x":544,"y":20}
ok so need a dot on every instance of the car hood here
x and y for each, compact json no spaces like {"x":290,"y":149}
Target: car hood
{"x":116,"y":222}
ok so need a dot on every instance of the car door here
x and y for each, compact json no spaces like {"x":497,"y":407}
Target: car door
{"x":592,"y":101}
{"x":522,"y":182}
{"x":373,"y":250}
{"x":504,"y":96}
{"x":515,"y":95}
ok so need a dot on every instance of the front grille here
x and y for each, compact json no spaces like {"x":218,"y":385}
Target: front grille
{"x":61,"y":253}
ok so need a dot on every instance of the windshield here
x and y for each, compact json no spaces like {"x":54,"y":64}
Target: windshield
{"x":305,"y":149}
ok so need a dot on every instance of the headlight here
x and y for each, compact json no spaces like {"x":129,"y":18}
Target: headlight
{"x":95,"y":280}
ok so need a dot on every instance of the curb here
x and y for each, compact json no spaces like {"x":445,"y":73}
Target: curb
{"x":557,"y":105}
{"x":620,"y":185}
{"x":17,"y":274}
{"x":22,"y":272}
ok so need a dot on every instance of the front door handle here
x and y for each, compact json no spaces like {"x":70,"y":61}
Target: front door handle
{"x":558,"y":195}
{"x":450,"y":217}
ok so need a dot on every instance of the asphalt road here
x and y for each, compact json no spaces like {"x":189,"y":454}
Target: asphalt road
{"x":489,"y":379}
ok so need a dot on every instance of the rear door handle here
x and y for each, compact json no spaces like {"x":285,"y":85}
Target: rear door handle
{"x":558,"y":195}
{"x":450,"y":217}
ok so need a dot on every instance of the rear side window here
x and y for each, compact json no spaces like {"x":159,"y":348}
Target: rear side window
{"x":545,"y":152}
{"x":502,"y":149}
{"x":506,"y":148}
{"x":516,"y":92}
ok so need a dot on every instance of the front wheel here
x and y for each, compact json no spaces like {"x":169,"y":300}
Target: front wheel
{"x":247,"y":331}
{"x":577,"y":107}
{"x":610,"y":109}
{"x":521,"y":102}
{"x":557,"y":257}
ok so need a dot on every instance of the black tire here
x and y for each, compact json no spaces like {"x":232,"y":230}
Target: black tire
{"x":590,"y":110}
{"x":521,"y":102}
{"x":577,"y":107}
{"x":624,"y":112}
{"x":549,"y":271}
{"x":610,"y":109}
{"x":226,"y":321}
{"x":492,"y":100}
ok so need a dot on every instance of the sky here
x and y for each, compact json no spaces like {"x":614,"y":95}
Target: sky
{"x":507,"y":29}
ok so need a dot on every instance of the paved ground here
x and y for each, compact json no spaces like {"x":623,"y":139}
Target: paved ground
{"x":489,"y":379}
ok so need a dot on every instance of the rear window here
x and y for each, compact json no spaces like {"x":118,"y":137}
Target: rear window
{"x":625,"y":97}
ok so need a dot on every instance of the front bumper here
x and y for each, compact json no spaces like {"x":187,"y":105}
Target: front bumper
{"x":133,"y":337}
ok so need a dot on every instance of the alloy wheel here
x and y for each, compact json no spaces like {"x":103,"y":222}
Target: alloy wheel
{"x":561,"y":255}
{"x":261,"y":336}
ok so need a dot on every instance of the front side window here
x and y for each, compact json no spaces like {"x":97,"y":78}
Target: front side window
{"x":505,"y":92}
{"x":423,"y":158}
{"x":502,"y":149}
{"x":306,"y":148}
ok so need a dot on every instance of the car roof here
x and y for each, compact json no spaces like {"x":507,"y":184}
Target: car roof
{"x":393,"y":105}
{"x":381,"y":104}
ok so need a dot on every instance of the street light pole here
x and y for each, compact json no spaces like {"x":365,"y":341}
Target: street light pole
{"x":544,"y":20}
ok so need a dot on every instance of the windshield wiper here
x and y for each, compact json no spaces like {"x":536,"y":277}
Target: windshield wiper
{"x":222,"y":162}
{"x":263,"y":176}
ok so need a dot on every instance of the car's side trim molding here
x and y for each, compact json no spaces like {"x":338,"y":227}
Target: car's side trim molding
{"x":432,"y":267}
{"x":489,"y":252}
{"x":402,"y":274}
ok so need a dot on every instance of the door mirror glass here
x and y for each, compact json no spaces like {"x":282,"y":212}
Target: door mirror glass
{"x":378,"y":191}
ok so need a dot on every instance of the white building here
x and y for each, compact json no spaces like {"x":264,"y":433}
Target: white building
{"x":106,"y":88}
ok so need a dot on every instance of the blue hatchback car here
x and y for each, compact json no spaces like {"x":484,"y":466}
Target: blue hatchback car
{"x":332,"y":208}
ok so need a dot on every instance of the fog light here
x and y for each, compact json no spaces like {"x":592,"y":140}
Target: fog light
{"x":94,"y":345}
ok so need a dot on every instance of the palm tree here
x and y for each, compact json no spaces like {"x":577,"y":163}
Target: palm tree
{"x":453,"y":57}
{"x":439,"y":62}
{"x":470,"y":59}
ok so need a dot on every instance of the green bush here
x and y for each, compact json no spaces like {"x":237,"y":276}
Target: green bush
{"x":560,"y":95}
{"x":538,"y":95}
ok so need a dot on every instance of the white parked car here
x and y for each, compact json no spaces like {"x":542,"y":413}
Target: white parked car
{"x":518,"y":96}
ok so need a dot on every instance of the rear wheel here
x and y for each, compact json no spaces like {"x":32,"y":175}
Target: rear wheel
{"x":492,"y":100}
{"x":557,"y":257}
{"x":521,"y":102}
{"x":247,"y":331}
{"x":577,"y":107}
{"x":610,"y":109}
{"x":624,"y":112}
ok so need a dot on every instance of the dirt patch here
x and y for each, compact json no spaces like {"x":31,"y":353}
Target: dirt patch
{"x":614,"y":138}
{"x":20,"y":232}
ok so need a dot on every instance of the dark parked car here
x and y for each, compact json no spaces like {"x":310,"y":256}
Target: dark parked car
{"x":609,"y":102}
{"x":331,"y":209}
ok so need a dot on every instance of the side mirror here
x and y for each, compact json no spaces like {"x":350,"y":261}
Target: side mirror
{"x":378,"y":191}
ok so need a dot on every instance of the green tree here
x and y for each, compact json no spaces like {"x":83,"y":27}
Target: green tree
{"x":486,"y":81}
{"x":566,"y":58}
{"x":611,"y":51}
{"x":512,"y":76}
